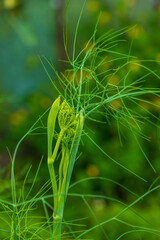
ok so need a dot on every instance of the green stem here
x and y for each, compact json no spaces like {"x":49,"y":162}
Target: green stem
{"x":52,"y":172}
{"x":65,"y":171}
{"x":66,"y":168}
{"x":14,"y":225}
{"x":74,"y":149}
{"x":58,"y":203}
{"x":61,"y":167}
{"x":54,"y":155}
{"x":58,"y":218}
{"x":54,"y":184}
{"x":14,"y":216}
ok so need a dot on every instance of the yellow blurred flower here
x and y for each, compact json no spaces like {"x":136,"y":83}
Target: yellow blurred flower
{"x":130,"y":3}
{"x":10,"y":4}
{"x":87,"y":46}
{"x":93,"y":6}
{"x":69,"y":75}
{"x":18,"y":117}
{"x":158,"y":8}
{"x":144,"y":106}
{"x":134,"y":65}
{"x":105,"y":17}
{"x":98,"y":204}
{"x":45,"y":102}
{"x":156,"y":107}
{"x":92,"y":171}
{"x":113,"y":80}
{"x":135,"y":32}
{"x":116,"y":104}
{"x":158,"y":58}
{"x":105,"y":63}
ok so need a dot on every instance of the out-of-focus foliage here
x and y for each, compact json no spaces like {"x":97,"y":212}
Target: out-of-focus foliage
{"x":28,"y":31}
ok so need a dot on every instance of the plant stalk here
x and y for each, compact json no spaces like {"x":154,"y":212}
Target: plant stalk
{"x":69,"y":159}
{"x":58,"y":218}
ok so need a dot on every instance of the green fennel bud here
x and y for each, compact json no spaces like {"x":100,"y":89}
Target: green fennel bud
{"x":67,"y":121}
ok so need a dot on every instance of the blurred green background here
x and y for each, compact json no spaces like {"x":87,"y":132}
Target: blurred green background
{"x":32,"y":29}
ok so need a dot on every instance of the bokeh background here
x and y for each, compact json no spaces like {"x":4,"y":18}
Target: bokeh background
{"x":31,"y":30}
